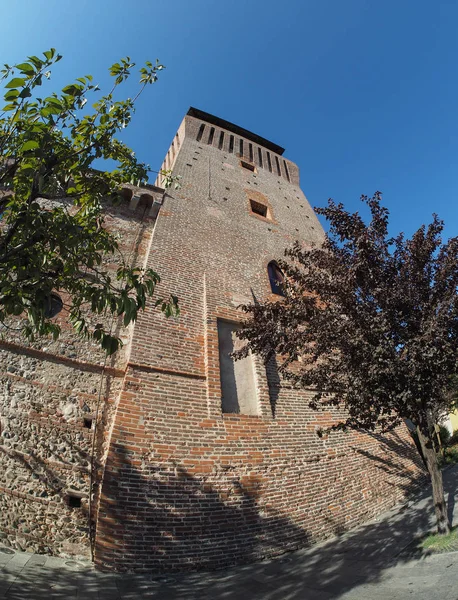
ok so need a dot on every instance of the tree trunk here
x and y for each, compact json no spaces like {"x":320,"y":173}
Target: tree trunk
{"x":440,"y":507}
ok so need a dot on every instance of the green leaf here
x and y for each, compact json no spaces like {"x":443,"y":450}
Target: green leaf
{"x":50,"y":53}
{"x":30,"y":145}
{"x":11,"y":95}
{"x":26,"y":68}
{"x":25,"y":93}
{"x":15,"y":83}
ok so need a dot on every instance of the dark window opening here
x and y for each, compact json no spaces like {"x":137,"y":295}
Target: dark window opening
{"x":221,"y":140}
{"x":250,"y":151}
{"x":278,"y":165}
{"x":210,"y":136}
{"x":286,"y":171}
{"x":260,"y":156}
{"x":74,"y":501}
{"x":258,"y":209}
{"x":231,"y":144}
{"x":269,"y":164}
{"x":53,"y":304}
{"x":246,"y":165}
{"x":241,"y":147}
{"x":200,"y":132}
{"x":276,"y":278}
{"x":87,"y":422}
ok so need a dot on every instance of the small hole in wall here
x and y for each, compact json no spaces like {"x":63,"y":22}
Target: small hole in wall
{"x":188,"y":165}
{"x":225,"y":199}
{"x":74,"y":501}
{"x":228,"y":188}
{"x":87,"y":423}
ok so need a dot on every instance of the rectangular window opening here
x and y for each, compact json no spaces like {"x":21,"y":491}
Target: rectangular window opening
{"x":260,"y":156}
{"x":246,"y":165}
{"x":238,"y":387}
{"x":73,"y":501}
{"x":210,"y":136}
{"x":258,"y":209}
{"x":87,"y":422}
{"x":221,"y":140}
{"x":231,"y":144}
{"x":241,"y":147}
{"x":200,"y":133}
{"x":250,"y":151}
{"x":278,"y":165}
{"x":269,"y":164}
{"x":286,"y":171}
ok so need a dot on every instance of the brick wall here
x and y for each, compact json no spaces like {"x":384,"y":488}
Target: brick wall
{"x":186,"y":486}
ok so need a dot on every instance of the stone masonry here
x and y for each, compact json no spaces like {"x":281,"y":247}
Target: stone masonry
{"x":140,"y":455}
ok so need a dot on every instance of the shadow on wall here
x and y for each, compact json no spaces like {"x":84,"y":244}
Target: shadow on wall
{"x":353,"y":562}
{"x":172,"y":521}
{"x":392,"y":449}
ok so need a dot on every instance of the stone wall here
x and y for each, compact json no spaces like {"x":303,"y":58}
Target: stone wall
{"x":57,"y":401}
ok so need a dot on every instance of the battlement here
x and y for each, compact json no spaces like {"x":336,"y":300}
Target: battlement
{"x":229,"y":138}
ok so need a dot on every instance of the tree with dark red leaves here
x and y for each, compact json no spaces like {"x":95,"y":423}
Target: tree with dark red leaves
{"x":371,"y":323}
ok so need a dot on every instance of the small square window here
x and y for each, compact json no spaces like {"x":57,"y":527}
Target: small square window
{"x":258,"y":209}
{"x":73,"y":501}
{"x":248,"y":166}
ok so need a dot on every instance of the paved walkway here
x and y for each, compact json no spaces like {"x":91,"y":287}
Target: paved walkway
{"x":370,"y":562}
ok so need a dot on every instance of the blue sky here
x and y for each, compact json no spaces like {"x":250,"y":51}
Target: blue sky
{"x":362,"y":94}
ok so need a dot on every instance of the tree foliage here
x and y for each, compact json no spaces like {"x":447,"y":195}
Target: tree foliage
{"x":370,"y":322}
{"x":52,"y":200}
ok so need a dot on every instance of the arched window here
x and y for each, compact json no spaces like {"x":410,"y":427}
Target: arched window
{"x":276,"y":278}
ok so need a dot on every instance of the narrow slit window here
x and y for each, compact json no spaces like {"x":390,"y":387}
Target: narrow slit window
{"x":231,"y":144}
{"x":221,"y":140}
{"x":200,"y":132}
{"x":178,"y":141}
{"x":250,"y":152}
{"x":286,"y":170}
{"x":276,"y":278}
{"x":210,"y":136}
{"x":258,"y":209}
{"x":241,"y":147}
{"x":260,"y":156}
{"x":269,"y":163}
{"x":278,"y":165}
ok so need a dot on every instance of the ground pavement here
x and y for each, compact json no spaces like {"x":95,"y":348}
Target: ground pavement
{"x":374,"y":561}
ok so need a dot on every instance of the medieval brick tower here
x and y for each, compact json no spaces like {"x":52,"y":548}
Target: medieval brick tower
{"x":199,"y":461}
